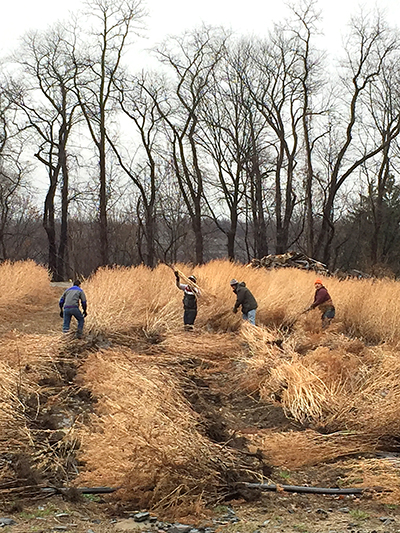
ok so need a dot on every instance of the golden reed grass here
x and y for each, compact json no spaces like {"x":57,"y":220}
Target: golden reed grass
{"x":124,"y":299}
{"x":380,"y":476}
{"x":320,"y":384}
{"x":143,"y":423}
{"x":144,"y":437}
{"x":24,"y":357}
{"x":22,"y":283}
{"x":24,"y":360}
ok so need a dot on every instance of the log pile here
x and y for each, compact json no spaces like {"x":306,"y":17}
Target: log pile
{"x":290,"y":260}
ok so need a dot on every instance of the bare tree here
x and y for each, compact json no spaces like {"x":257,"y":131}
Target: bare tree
{"x":12,"y":170}
{"x":98,"y":62}
{"x":50,"y":106}
{"x":277,"y":93}
{"x":192,"y":58}
{"x":382,"y":103}
{"x":229,"y":134}
{"x":305,"y":28}
{"x":369,"y":49}
{"x":136,"y":102}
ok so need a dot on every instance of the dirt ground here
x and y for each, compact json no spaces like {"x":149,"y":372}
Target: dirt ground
{"x":272,"y":512}
{"x":228,"y":415}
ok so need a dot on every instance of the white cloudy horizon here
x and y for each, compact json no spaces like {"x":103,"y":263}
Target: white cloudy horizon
{"x":176,"y":16}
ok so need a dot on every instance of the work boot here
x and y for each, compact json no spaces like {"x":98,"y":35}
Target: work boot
{"x":78,"y":335}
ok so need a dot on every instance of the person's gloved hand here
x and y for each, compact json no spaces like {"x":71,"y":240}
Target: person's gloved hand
{"x":176,"y":274}
{"x":84,"y":314}
{"x":235,"y":310}
{"x":61,"y":314}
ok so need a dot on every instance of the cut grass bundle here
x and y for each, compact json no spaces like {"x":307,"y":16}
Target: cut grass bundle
{"x":303,"y":394}
{"x":376,"y":400}
{"x":339,"y":385}
{"x":265,"y":347}
{"x":145,"y":434}
{"x":320,"y":387}
{"x":380,"y":475}
{"x":294,"y":449}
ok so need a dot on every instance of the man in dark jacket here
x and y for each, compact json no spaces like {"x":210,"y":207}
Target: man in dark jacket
{"x":69,"y":307}
{"x":323,"y":301}
{"x":245,"y":299}
{"x":190,"y":294}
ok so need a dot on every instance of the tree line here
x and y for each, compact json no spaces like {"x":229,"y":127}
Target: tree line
{"x":226,"y":146}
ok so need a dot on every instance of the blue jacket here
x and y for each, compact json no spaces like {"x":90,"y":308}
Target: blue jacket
{"x":71,"y":298}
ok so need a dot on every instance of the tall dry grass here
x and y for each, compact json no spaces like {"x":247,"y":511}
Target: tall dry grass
{"x":122,"y":300}
{"x":23,"y":280}
{"x":144,"y":437}
{"x":24,"y":286}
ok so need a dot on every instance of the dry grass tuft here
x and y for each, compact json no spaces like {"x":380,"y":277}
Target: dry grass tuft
{"x":375,"y":401}
{"x":145,"y":433}
{"x":265,"y":348}
{"x":337,"y":385}
{"x":124,"y":300}
{"x":13,"y":434}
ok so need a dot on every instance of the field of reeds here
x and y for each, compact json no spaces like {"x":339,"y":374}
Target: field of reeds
{"x":138,"y":395}
{"x":124,"y":300}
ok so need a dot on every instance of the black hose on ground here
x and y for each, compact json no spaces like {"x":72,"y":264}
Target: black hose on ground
{"x":299,"y":488}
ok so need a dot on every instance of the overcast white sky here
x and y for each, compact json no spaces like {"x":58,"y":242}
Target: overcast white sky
{"x":175,"y":16}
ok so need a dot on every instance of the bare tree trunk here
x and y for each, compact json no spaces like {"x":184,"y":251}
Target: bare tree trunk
{"x":383,"y":175}
{"x":49,"y":226}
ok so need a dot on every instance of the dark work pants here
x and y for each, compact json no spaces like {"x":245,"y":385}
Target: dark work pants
{"x":68,"y":314}
{"x":189,"y":316}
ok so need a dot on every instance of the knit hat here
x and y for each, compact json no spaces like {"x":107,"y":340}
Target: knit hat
{"x":192,"y":278}
{"x":234,"y":281}
{"x":318,"y":281}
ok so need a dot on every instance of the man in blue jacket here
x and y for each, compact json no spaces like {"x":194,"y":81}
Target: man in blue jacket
{"x":69,"y":307}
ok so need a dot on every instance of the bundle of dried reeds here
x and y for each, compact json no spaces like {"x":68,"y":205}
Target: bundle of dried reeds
{"x":296,"y":449}
{"x":207,"y":346}
{"x":380,"y":475}
{"x":145,"y":433}
{"x":375,"y":402}
{"x":27,"y":369}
